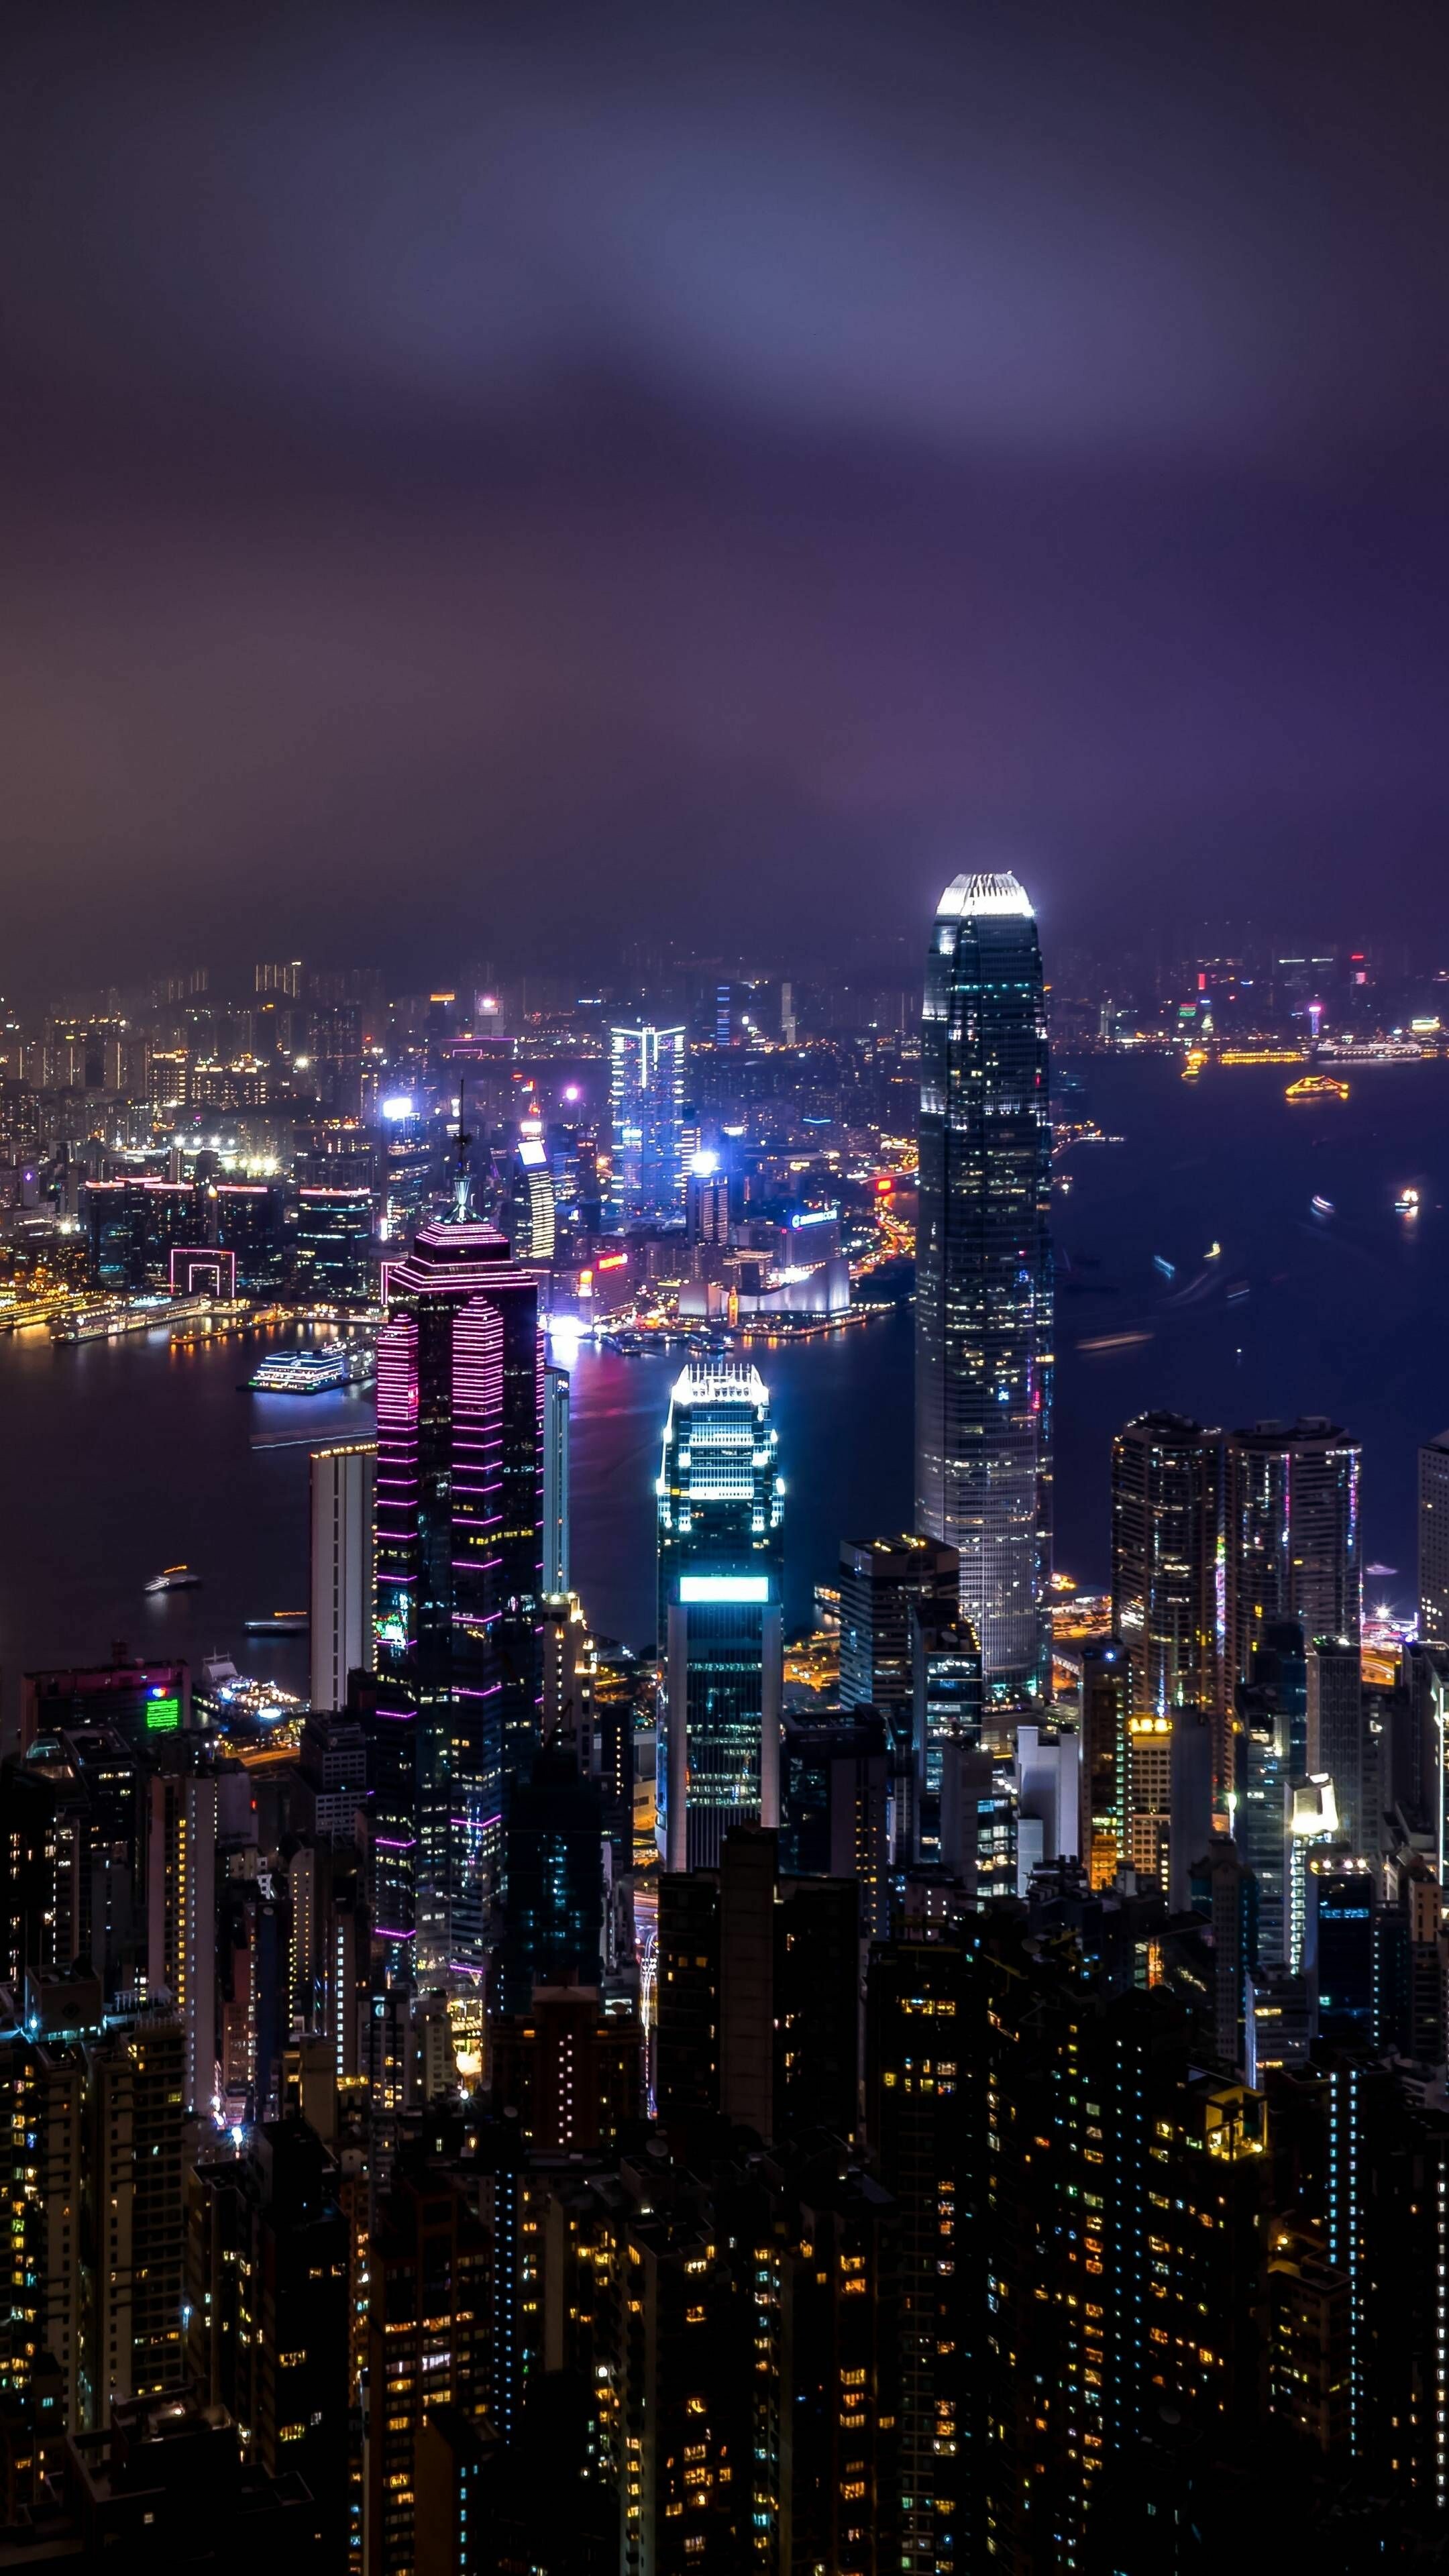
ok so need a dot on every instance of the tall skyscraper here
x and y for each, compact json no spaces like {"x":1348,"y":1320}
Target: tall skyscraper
{"x":646,"y":1099}
{"x":1291,"y":1535}
{"x":1166,"y":1531}
{"x":181,"y":1899}
{"x":721,"y":1638}
{"x":344,"y":1484}
{"x":555,"y":1480}
{"x":1434,"y":1540}
{"x":1336,"y":1733}
{"x":984,"y":1274}
{"x":459,"y":1567}
{"x":884,"y":1584}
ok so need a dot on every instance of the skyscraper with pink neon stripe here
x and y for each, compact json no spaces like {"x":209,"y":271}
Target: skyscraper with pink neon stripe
{"x":459,"y":1577}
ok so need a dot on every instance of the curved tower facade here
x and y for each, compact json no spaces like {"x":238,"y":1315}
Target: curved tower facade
{"x":984,"y":1274}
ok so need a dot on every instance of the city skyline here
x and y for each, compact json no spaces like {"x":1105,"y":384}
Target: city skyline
{"x":724,"y":1025}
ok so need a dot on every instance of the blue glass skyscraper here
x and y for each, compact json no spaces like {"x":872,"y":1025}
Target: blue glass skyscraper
{"x":984,"y":1274}
{"x":720,"y":1616}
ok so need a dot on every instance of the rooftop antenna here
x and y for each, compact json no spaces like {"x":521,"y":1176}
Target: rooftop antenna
{"x":463,"y":1184}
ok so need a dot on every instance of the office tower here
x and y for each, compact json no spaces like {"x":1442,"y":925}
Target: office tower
{"x":984,"y":1275}
{"x":1291,"y":1534}
{"x":707,"y":1202}
{"x":945,"y":1709}
{"x":757,"y":1995}
{"x":142,"y":1701}
{"x":646,"y":1101}
{"x":1341,"y":1950}
{"x":553,"y":1933}
{"x":555,"y":1480}
{"x":921,"y":2120}
{"x":1047,"y":1776}
{"x":1434,"y":1541}
{"x":1336,"y":1732}
{"x":344,"y":1575}
{"x":1425,"y":1672}
{"x":882,"y":1581}
{"x":459,"y":1560}
{"x":181,"y":1919}
{"x":427,"y":2345}
{"x":834,"y":1808}
{"x":134,"y":1226}
{"x":720,"y":1615}
{"x":532,"y":1215}
{"x":268,"y":2290}
{"x":250,"y":1218}
{"x":1104,"y":1719}
{"x":332,"y":1248}
{"x":978,"y":1831}
{"x":1166,"y":1533}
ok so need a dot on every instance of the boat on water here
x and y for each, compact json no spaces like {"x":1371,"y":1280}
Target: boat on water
{"x":1315,"y":1086}
{"x":282,"y":1623}
{"x":174,"y":1578}
{"x":1321,"y":1206}
{"x":302,"y":1372}
{"x":1407,"y":1203}
{"x":114,"y":1315}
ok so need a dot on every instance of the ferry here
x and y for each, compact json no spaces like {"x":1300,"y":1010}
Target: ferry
{"x":121,"y":1315}
{"x":1407,"y":1203}
{"x":1321,"y":1207}
{"x":303,"y":1372}
{"x":1316,"y":1086}
{"x":282,"y":1623}
{"x":174,"y":1578}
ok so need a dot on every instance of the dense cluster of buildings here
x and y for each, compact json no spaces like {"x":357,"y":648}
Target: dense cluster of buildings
{"x":538,"y":2121}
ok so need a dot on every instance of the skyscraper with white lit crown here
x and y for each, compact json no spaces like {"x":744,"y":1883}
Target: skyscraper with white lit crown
{"x":984,"y":1274}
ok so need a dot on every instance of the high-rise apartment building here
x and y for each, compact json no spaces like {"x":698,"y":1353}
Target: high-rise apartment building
{"x":1166,"y":1548}
{"x":181,"y":1928}
{"x":984,"y":1274}
{"x":721,"y":1636}
{"x":1291,"y":1534}
{"x":344,"y":1574}
{"x":1434,"y":1540}
{"x":758,"y":1995}
{"x":646,"y":1100}
{"x":427,"y":2347}
{"x":459,"y":1566}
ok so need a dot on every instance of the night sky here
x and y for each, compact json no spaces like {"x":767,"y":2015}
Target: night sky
{"x":482,"y":480}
